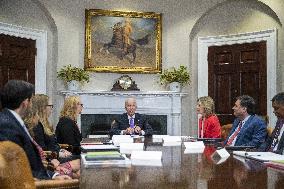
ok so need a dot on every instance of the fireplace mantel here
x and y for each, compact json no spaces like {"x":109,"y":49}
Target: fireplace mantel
{"x":151,"y":102}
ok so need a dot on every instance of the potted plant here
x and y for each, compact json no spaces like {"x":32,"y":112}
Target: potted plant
{"x":73,"y":76}
{"x":175,"y":77}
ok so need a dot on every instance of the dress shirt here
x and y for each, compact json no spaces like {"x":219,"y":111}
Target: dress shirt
{"x":129,"y":117}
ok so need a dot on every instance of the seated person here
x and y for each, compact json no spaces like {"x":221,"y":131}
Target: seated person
{"x":43,"y":132}
{"x":15,"y":99}
{"x":130,"y":122}
{"x":67,"y":130}
{"x":275,"y":142}
{"x":208,"y":124}
{"x":248,"y":129}
{"x":32,"y":120}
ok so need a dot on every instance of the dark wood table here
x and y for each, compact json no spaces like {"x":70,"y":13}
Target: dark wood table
{"x":179,"y":170}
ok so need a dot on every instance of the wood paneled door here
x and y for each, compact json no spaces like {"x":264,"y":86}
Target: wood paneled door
{"x":235,"y":70}
{"x":17,"y":59}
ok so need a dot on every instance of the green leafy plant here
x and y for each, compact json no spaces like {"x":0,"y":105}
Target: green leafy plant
{"x":69,"y":73}
{"x":180,"y":75}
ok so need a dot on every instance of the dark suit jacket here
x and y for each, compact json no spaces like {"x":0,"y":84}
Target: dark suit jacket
{"x":266,"y":145}
{"x":252,"y":133}
{"x":67,"y":132}
{"x":48,"y":143}
{"x":122,"y":123}
{"x":11,"y":130}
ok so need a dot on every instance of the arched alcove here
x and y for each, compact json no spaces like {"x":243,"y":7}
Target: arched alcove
{"x":225,"y":36}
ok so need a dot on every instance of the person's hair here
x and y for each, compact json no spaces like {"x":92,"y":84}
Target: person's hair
{"x":31,"y":118}
{"x":15,"y":92}
{"x":130,"y":99}
{"x":69,"y":107}
{"x":208,"y":103}
{"x":278,"y":98}
{"x":40,"y":102}
{"x":247,"y":102}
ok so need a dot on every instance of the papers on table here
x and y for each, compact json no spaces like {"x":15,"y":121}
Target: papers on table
{"x":127,"y":148}
{"x":97,"y":136}
{"x":108,"y":161}
{"x":194,"y":147}
{"x":261,"y":156}
{"x":172,"y":141}
{"x":91,"y":147}
{"x":117,"y":139}
{"x":158,"y":138}
{"x":146,"y":158}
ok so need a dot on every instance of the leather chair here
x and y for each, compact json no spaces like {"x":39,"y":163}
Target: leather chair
{"x":225,"y":130}
{"x":15,"y":171}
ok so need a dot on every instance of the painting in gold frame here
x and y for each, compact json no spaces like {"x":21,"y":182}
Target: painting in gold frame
{"x":123,"y":42}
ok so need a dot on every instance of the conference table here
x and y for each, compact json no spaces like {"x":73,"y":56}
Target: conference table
{"x":185,"y":170}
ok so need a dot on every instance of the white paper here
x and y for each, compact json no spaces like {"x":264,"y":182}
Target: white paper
{"x":159,"y":136}
{"x":98,"y":147}
{"x":172,"y":139}
{"x":172,"y":143}
{"x":262,"y":156}
{"x":120,"y":136}
{"x":97,"y":136}
{"x":146,"y":155}
{"x":193,"y":150}
{"x":116,"y":141}
{"x":127,"y":148}
{"x":194,"y":145}
{"x":223,"y":153}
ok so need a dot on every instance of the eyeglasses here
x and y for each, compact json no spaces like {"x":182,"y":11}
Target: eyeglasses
{"x":50,"y":105}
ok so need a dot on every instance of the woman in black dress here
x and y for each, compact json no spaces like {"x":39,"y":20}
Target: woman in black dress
{"x":67,"y":130}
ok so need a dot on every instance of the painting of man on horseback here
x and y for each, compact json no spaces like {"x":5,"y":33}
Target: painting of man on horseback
{"x":122,"y":41}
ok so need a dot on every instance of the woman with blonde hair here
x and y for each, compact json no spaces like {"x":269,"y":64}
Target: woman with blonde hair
{"x":208,"y":124}
{"x":36,"y":119}
{"x":43,"y":132}
{"x":67,"y":130}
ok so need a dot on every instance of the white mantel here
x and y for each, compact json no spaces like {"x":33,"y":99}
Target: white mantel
{"x":151,"y":102}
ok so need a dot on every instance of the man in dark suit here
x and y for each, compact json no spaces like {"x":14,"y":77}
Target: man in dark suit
{"x":131,"y":122}
{"x":248,"y":129}
{"x":15,"y":99}
{"x":275,"y":142}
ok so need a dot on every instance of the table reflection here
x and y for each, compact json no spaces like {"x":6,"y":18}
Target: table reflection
{"x":179,"y":170}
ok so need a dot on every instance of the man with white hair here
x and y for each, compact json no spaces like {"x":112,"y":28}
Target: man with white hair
{"x":131,"y":123}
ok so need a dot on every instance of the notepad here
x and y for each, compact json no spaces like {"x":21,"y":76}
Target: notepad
{"x":98,"y":147}
{"x":101,"y":156}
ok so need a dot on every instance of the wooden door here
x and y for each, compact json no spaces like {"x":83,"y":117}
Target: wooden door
{"x":235,"y":70}
{"x":17,"y":59}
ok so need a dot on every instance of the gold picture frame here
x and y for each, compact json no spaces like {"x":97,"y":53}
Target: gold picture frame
{"x":123,"y":42}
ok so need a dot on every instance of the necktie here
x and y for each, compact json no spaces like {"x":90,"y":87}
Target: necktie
{"x":275,"y":141}
{"x":234,"y":135}
{"x":131,"y":123}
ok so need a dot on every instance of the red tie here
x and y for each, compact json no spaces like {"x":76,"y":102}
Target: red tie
{"x":233,"y":136}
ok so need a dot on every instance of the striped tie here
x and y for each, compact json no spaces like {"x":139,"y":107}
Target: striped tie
{"x":234,"y":135}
